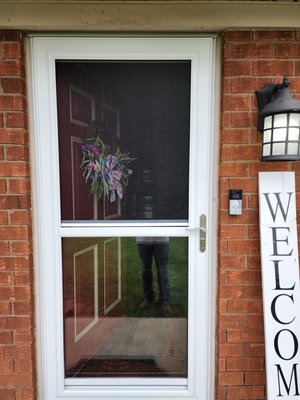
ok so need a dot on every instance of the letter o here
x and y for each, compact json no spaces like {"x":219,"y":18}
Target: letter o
{"x":276,"y":346}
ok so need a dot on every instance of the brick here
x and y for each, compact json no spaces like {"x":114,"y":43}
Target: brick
{"x":6,"y":337}
{"x":237,"y":35}
{"x":231,"y":378}
{"x":232,"y":261}
{"x":5,"y":308}
{"x":20,"y":217}
{"x":3,"y":217}
{"x":232,"y":321}
{"x":25,"y":394}
{"x":23,"y":308}
{"x":17,"y":153}
{"x":15,"y":322}
{"x":246,"y":393}
{"x":231,"y":350}
{"x":287,"y":50}
{"x":13,"y":380}
{"x":233,"y":231}
{"x":6,"y":366}
{"x":23,"y":365}
{"x":3,"y":187}
{"x":16,"y":120}
{"x":7,"y":394}
{"x":17,"y":232}
{"x":21,"y":185}
{"x":14,"y":169}
{"x":243,"y":277}
{"x":246,"y":152}
{"x":270,"y":68}
{"x":234,"y":169}
{"x":274,"y":35}
{"x":15,"y":352}
{"x":23,"y":278}
{"x":10,"y":50}
{"x":245,"y":335}
{"x":12,"y":85}
{"x":243,"y":119}
{"x":236,"y":103}
{"x":6,"y":103}
{"x":252,"y":50}
{"x":13,"y":135}
{"x":255,"y":321}
{"x":237,"y":68}
{"x":18,"y":263}
{"x":244,"y":306}
{"x":21,"y":248}
{"x":232,"y":291}
{"x":24,"y":337}
{"x":255,"y":378}
{"x":11,"y":67}
{"x":235,"y":135}
{"x":5,"y":279}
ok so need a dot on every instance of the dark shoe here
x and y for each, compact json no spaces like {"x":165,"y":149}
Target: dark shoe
{"x":146,"y":304}
{"x":166,"y":308}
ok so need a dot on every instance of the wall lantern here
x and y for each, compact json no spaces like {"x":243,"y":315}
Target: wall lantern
{"x":279,"y":122}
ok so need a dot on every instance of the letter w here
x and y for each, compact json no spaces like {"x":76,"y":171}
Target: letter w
{"x":279,"y":204}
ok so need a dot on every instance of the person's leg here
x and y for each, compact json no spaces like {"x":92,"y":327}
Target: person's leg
{"x":161,"y":254}
{"x":146,"y":255}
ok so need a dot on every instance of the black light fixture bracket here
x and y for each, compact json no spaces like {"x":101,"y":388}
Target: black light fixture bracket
{"x":268,"y":96}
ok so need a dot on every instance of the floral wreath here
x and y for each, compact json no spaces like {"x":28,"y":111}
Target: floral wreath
{"x":106,"y":172}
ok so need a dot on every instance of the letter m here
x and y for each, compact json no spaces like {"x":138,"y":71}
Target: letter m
{"x":287,"y":386}
{"x":279,"y":205}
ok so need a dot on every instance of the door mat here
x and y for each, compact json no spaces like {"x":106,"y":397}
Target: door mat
{"x":121,"y":367}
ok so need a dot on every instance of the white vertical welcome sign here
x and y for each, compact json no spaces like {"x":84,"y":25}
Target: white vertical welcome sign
{"x":280,"y":274}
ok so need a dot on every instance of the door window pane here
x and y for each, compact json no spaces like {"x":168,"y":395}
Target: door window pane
{"x":142,"y":110}
{"x":116,"y":322}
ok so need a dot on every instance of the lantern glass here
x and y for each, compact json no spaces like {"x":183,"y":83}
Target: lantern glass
{"x":293,"y":148}
{"x":293,"y":134}
{"x":278,"y":149}
{"x":279,"y":134}
{"x":266,"y":150}
{"x":268,"y":122}
{"x":280,"y":120}
{"x":267,"y":136}
{"x":294,"y":119}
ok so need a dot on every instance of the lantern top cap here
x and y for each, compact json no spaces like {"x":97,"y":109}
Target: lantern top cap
{"x":275,"y":99}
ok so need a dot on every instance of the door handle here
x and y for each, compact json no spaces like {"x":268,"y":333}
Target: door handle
{"x":202,"y":232}
{"x":202,"y":235}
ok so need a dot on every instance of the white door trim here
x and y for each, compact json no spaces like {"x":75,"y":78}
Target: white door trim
{"x":49,"y":230}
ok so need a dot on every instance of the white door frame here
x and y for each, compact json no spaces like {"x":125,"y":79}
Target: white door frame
{"x":49,"y":230}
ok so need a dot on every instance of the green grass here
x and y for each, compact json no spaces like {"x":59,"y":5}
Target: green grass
{"x":178,"y":274}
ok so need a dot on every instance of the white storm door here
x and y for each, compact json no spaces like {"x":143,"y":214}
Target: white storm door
{"x":123,"y":165}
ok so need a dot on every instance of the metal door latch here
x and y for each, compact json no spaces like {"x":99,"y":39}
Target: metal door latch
{"x":202,"y":235}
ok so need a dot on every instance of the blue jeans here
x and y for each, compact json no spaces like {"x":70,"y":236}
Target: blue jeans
{"x":160,"y":254}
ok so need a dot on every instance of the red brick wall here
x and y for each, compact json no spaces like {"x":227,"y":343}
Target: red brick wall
{"x":250,"y":59}
{"x":17,"y":350}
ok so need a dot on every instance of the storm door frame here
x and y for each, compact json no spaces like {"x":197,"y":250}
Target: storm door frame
{"x":201,"y":51}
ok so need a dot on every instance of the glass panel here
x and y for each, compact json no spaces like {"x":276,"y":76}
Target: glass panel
{"x":280,"y":120}
{"x":268,"y":122}
{"x":266,"y":149}
{"x":278,"y":149}
{"x":293,"y":148}
{"x":294,"y":134}
{"x":294,"y":120}
{"x":267,"y":136}
{"x":125,"y":306}
{"x":279,"y":135}
{"x":125,"y":127}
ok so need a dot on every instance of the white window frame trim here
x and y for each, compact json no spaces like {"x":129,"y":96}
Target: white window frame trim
{"x":44,"y":50}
